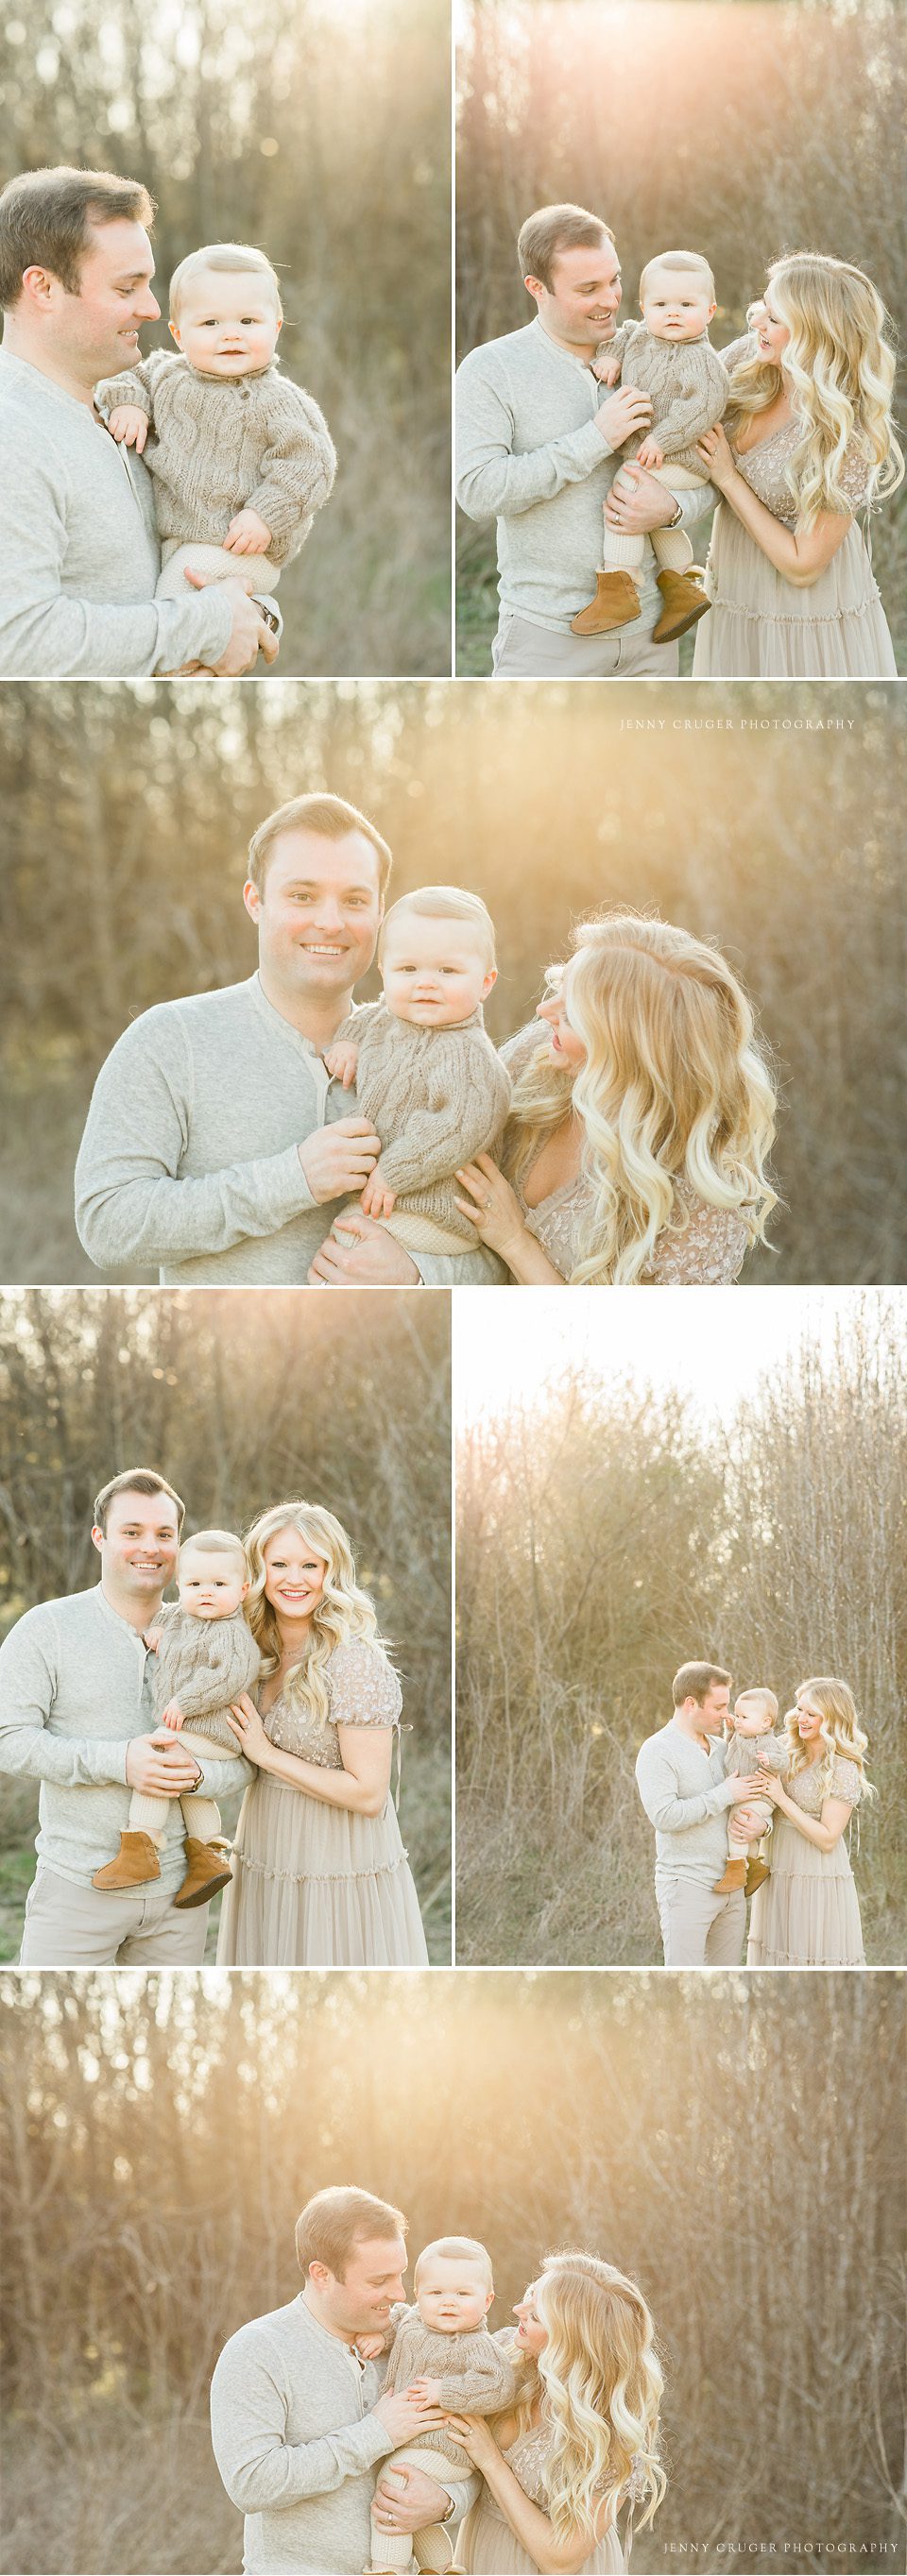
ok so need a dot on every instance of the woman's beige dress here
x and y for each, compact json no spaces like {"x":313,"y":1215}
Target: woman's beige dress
{"x":760,"y":627}
{"x":705,"y":1247}
{"x":806,"y":1915}
{"x":488,"y":2547}
{"x":316,"y":1886}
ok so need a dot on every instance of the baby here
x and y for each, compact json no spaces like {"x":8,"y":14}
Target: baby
{"x":443,"y":2349}
{"x":755,"y":1714}
{"x":427,"y":1076}
{"x":205,"y":1658}
{"x":241,"y":458}
{"x":668,"y":355}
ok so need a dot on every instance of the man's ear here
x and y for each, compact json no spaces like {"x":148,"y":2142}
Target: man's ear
{"x":97,"y":1537}
{"x":252,"y":899}
{"x":40,"y":286}
{"x":534,"y":287}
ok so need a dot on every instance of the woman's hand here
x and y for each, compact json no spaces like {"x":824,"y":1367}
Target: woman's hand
{"x":770,"y":1786}
{"x":716,"y":457}
{"x":492,"y":1206}
{"x":477,"y":2439}
{"x":248,"y":1727}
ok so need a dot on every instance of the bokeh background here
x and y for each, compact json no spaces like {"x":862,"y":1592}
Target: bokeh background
{"x":732,"y":1484}
{"x":774,"y":826}
{"x":240,"y":1398}
{"x":733,"y":2143}
{"x":742,"y":128}
{"x":320,"y":130}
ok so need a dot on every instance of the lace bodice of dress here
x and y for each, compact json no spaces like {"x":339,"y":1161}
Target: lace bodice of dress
{"x":528,"y":2458}
{"x":766,"y":467}
{"x":363,"y":1691}
{"x":708,"y":1251}
{"x":807,"y":1792}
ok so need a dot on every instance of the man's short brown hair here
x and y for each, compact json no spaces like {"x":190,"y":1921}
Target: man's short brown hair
{"x":46,"y":218}
{"x":694,"y":1681}
{"x":335,"y":2221}
{"x":554,"y":228}
{"x":135,"y":1480}
{"x":330,"y":816}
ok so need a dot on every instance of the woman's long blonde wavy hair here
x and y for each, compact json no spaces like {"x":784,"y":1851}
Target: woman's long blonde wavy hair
{"x":841,"y":1733}
{"x":342,"y":1612}
{"x":675,"y":1087}
{"x":601,"y":2386}
{"x":840,"y":368}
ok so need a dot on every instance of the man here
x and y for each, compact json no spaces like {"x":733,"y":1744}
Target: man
{"x":75,"y":1713}
{"x":79,"y":554}
{"x":686,"y":1794}
{"x":298,"y":2419}
{"x":216,"y":1144}
{"x":537,"y":442}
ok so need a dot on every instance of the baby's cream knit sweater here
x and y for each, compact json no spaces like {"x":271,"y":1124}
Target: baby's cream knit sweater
{"x":436,"y":1097}
{"x":688,"y":385}
{"x":219,"y":445}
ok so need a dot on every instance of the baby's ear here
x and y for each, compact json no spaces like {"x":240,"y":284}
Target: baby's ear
{"x":173,"y":328}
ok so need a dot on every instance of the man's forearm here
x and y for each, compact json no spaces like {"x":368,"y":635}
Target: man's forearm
{"x":493,"y":483}
{"x":28,"y":1751}
{"x":671,"y":1814}
{"x":47,"y":636}
{"x":122,"y":1217}
{"x":261,"y":2471}
{"x":222,"y":1773}
{"x":695,"y":504}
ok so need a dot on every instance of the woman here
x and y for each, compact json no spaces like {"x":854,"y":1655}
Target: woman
{"x":809,"y":443}
{"x":582,"y":2436}
{"x":320,"y":1874}
{"x":642,"y":1116}
{"x":806,"y":1915}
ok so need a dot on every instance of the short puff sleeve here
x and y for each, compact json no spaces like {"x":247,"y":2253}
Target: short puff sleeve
{"x":363,"y":1686}
{"x":846,"y":1781}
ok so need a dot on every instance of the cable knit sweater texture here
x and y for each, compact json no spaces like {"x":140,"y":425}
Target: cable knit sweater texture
{"x":205,"y":1664}
{"x":436,"y":1097}
{"x":687,"y":383}
{"x":476,"y":2376}
{"x":220,"y":445}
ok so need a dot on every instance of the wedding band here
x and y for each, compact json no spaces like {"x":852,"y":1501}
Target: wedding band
{"x":488,"y":1203}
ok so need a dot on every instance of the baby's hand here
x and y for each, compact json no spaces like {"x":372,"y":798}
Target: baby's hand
{"x":607,"y":370}
{"x":369,"y":2345}
{"x":376,"y":1199}
{"x":152,"y":1640}
{"x":428,"y":2391}
{"x":341,"y":1061}
{"x":173,"y":1716}
{"x":130,"y":426}
{"x":650,"y":455}
{"x":247,"y":534}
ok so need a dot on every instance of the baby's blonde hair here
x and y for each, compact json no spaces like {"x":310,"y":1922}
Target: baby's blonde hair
{"x":457,"y":2249}
{"x":758,"y":1703}
{"x":216,"y":1542}
{"x":227,"y":259}
{"x":444,"y":903}
{"x":841,"y":371}
{"x":685,"y":263}
{"x":675,"y":1089}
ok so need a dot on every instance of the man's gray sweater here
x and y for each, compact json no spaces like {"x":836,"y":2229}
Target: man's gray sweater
{"x":530,"y":456}
{"x":79,"y":554}
{"x":75,"y":1687}
{"x":297,"y":2444}
{"x":686,"y":1796}
{"x":189,"y":1157}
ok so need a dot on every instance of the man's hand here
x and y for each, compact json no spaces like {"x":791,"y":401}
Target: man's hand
{"x":247,"y":534}
{"x":377,"y":1199}
{"x":637,"y":503}
{"x":358,"y":1253}
{"x":339,"y":1157}
{"x":623,"y":415}
{"x":407,"y":2500}
{"x":129,"y":426}
{"x":249,"y":635}
{"x":160,"y":1768}
{"x":341,"y":1061}
{"x":404,"y":2415}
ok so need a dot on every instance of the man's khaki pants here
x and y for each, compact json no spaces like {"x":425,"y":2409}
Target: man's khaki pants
{"x":698,"y":1928}
{"x":522,"y":651}
{"x":69,"y":1925}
